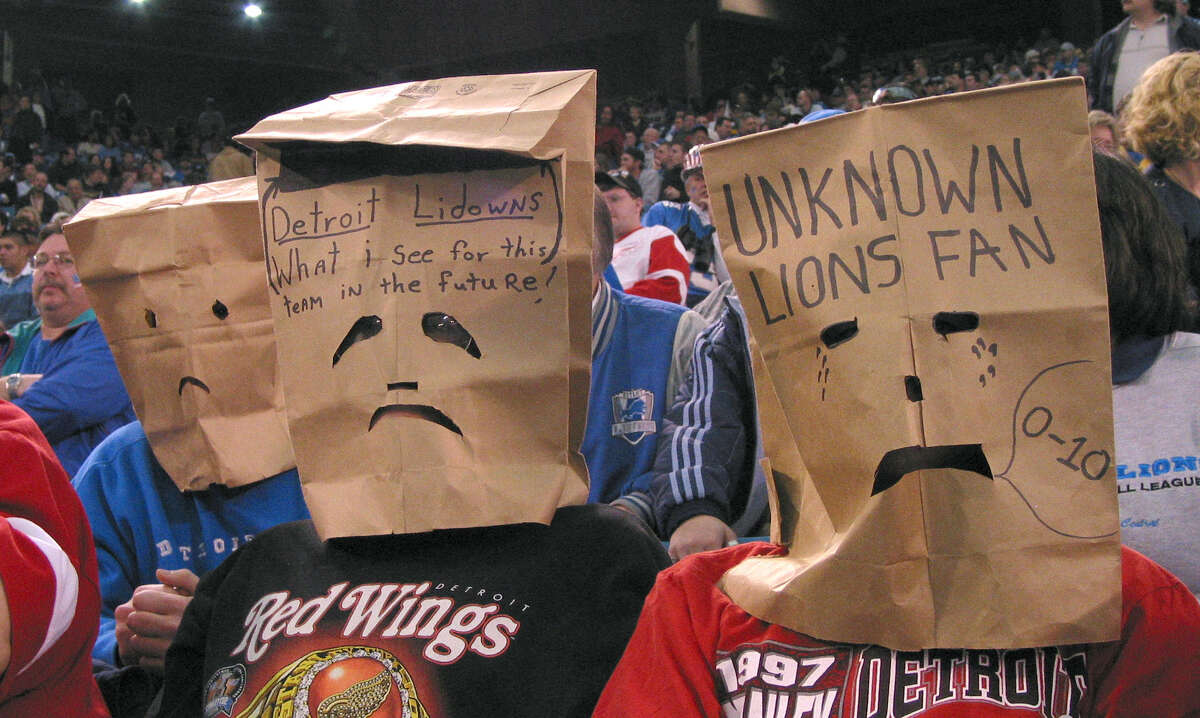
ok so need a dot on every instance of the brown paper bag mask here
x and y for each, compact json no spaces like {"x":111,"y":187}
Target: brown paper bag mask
{"x":427,"y":249}
{"x":926,"y":284}
{"x":176,"y":280}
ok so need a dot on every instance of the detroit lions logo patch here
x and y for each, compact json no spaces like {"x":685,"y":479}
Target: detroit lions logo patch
{"x":223,"y":690}
{"x":633,"y":413}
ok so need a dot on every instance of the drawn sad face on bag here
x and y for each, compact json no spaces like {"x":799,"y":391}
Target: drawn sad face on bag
{"x":933,"y":320}
{"x":424,"y":336}
{"x":176,"y":280}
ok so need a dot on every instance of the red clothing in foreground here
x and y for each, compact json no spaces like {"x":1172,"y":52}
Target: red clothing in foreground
{"x":48,"y":565}
{"x":651,"y":262}
{"x":695,"y":653}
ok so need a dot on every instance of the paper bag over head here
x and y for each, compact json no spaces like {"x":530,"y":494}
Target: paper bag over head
{"x":427,"y":250}
{"x":176,"y":279}
{"x":926,"y":283}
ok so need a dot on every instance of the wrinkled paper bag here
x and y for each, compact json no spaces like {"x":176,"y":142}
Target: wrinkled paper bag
{"x":176,"y":279}
{"x":427,"y":251}
{"x":926,"y":283}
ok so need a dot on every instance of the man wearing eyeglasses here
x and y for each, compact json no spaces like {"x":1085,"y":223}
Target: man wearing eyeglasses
{"x":62,"y":371}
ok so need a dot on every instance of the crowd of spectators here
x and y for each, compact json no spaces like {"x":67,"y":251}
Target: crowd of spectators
{"x":59,"y":153}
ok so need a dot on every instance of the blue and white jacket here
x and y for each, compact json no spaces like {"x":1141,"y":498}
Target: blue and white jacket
{"x":640,"y":352}
{"x":142,"y":522}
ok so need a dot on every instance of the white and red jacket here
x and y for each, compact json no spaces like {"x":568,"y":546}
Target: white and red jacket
{"x":651,"y":262}
{"x":48,"y":565}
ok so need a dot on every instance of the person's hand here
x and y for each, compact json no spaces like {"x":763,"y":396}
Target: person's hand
{"x":27,"y":380}
{"x":146,"y":623}
{"x":699,"y":533}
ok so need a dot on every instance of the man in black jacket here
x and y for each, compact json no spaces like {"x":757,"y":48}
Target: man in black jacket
{"x":1151,"y":32}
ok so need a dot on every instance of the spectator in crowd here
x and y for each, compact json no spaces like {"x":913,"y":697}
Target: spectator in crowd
{"x":1156,"y":368}
{"x":1121,"y":55}
{"x":541,"y":640}
{"x":610,"y":138}
{"x":633,"y":162}
{"x":96,"y":183}
{"x":26,"y":130}
{"x":747,"y":124}
{"x":210,"y":125}
{"x":90,"y":146}
{"x":676,"y":128}
{"x":55,"y":225}
{"x":159,"y":156}
{"x":648,"y":261}
{"x":692,"y":223}
{"x":123,"y":116}
{"x":698,"y":653}
{"x":1106,"y":133}
{"x":38,"y":197}
{"x":707,"y":488}
{"x":672,"y":173}
{"x":1162,"y":121}
{"x":1183,"y":9}
{"x":49,"y":598}
{"x":74,"y":198}
{"x":661,"y":151}
{"x":8,"y":184}
{"x":724,"y":128}
{"x":16,"y":278}
{"x":26,"y":220}
{"x":161,"y":524}
{"x":67,"y":379}
{"x":637,"y":123}
{"x":640,"y":352}
{"x":67,"y":168}
{"x":230,"y":163}
{"x":25,"y":183}
{"x":649,"y":141}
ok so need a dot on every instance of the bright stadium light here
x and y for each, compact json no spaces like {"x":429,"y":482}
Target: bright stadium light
{"x":252,"y":10}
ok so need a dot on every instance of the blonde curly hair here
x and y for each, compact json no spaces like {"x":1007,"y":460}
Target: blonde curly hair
{"x":1162,"y":119}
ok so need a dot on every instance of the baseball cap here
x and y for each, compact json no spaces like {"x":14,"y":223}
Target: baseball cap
{"x":618,"y":178}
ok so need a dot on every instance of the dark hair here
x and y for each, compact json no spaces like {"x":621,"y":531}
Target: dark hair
{"x":21,"y":238}
{"x":602,"y":234}
{"x":1145,"y":260}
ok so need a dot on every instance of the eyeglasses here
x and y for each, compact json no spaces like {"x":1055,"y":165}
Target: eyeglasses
{"x":62,"y":259}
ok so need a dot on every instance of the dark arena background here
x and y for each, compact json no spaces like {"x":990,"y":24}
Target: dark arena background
{"x":168,"y":55}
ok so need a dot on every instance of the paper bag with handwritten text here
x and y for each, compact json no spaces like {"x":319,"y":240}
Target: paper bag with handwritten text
{"x":926,"y":283}
{"x":175,"y":277}
{"x":427,"y":250}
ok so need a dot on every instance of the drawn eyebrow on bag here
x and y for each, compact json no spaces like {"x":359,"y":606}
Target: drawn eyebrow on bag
{"x":363,"y":328}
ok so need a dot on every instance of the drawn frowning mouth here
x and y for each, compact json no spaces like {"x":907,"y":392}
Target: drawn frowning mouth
{"x":194,"y":382}
{"x":415,"y":411}
{"x":898,"y":462}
